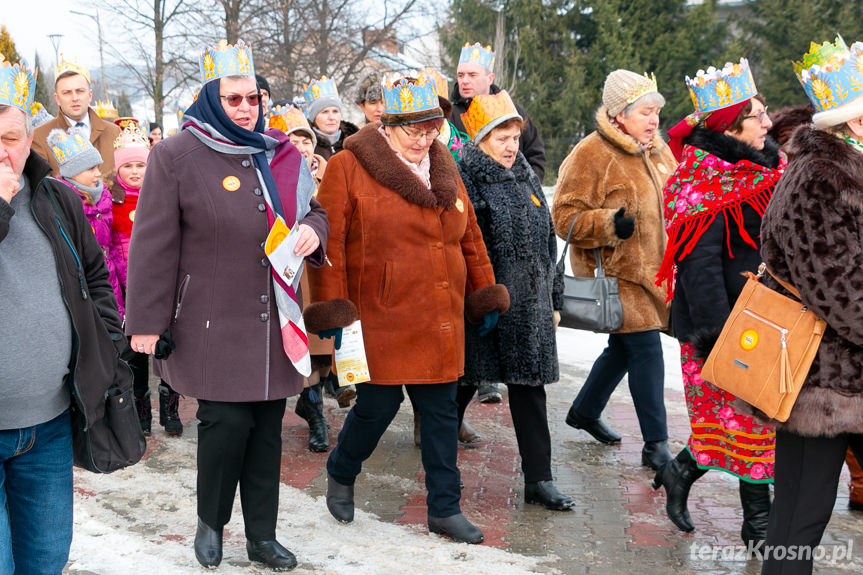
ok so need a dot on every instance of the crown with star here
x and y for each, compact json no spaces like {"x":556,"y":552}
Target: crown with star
{"x":225,"y":59}
{"x":477,"y":54}
{"x":17,"y":85}
{"x":714,"y":89}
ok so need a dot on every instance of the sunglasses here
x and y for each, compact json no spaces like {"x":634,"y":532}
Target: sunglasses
{"x":235,"y":100}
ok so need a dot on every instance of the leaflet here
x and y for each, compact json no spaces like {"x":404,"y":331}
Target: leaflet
{"x":351,"y":364}
{"x":280,"y":250}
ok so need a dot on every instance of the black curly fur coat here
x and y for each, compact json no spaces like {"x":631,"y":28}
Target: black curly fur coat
{"x":708,"y":279}
{"x":522,"y":246}
{"x":812,"y":237}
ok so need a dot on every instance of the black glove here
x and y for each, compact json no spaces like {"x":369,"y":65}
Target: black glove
{"x":164,"y":346}
{"x":624,"y":226}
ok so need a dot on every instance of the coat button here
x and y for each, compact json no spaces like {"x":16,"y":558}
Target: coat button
{"x":246,"y":163}
{"x":258,"y":191}
{"x":439,"y":245}
{"x":265,"y":262}
{"x":264,"y":316}
{"x":263,"y":244}
{"x":265,"y":298}
{"x":262,"y":207}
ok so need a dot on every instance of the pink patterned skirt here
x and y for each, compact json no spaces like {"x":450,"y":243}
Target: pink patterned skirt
{"x":721,"y":437}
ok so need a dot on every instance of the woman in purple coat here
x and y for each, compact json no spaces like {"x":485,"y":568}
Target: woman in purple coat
{"x":204,"y":262}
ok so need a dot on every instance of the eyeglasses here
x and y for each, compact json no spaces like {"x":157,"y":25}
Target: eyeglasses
{"x":417,"y":136}
{"x":234,"y":100}
{"x":759,"y":116}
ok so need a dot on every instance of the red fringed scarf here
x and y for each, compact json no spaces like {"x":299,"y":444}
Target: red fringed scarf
{"x":702,"y":186}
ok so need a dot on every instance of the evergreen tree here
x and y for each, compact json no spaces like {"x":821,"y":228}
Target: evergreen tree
{"x":7,"y":46}
{"x":41,"y":93}
{"x":124,"y":106}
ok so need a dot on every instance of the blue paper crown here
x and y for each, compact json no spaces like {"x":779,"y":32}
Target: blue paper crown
{"x":716,"y":89}
{"x":318,"y":88}
{"x":407,"y":96}
{"x":226,"y":60}
{"x":67,"y":145}
{"x":831,"y":74}
{"x":476,"y":54}
{"x":17,"y":85}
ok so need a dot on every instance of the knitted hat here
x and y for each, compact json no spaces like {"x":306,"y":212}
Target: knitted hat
{"x":623,"y":88}
{"x":74,"y":152}
{"x":263,"y":84}
{"x":131,"y":146}
{"x":321,"y":94}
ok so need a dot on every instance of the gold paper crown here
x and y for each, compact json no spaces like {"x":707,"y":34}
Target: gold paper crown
{"x":72,"y":66}
{"x":647,"y":86}
{"x":289,"y":119}
{"x":441,"y":83}
{"x":487,"y":111}
{"x":131,"y":136}
{"x":106,"y":110}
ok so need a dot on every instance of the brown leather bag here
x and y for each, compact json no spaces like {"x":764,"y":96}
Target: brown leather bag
{"x":766,"y":347}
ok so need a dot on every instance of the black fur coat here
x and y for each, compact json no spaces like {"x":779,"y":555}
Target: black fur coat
{"x":812,"y":237}
{"x":519,"y":236}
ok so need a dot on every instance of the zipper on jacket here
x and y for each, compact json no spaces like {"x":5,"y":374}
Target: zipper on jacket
{"x":181,"y":295}
{"x":77,"y":260}
{"x":782,"y":331}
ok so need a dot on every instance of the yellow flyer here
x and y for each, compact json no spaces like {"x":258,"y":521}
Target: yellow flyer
{"x":351,"y":364}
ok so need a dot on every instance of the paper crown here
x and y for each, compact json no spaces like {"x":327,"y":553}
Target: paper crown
{"x":225,"y":59}
{"x":409,"y":100}
{"x":476,"y":54}
{"x":66,"y":145}
{"x":716,"y":89}
{"x":318,"y":88}
{"x":289,"y":119}
{"x":71,"y":66}
{"x":131,"y":136}
{"x":831,"y":74}
{"x":181,"y":110}
{"x":17,"y":85}
{"x":639,"y":89}
{"x":441,"y":83}
{"x":487,"y":111}
{"x":126,"y":121}
{"x":106,"y":110}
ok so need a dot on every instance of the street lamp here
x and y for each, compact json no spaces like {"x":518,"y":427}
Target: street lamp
{"x":55,"y":41}
{"x":101,"y":54}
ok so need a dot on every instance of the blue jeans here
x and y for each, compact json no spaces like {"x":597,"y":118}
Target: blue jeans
{"x":36,"y":498}
{"x":639,"y":354}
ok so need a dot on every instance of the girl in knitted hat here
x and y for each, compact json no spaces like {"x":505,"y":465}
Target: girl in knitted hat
{"x":80,"y":166}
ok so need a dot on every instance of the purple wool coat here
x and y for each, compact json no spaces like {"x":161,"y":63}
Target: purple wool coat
{"x":197,"y":265}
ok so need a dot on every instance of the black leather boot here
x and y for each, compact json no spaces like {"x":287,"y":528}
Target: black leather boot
{"x":310,"y":406}
{"x":145,"y":412}
{"x":655,"y":454}
{"x":169,"y":405}
{"x":272,"y":553}
{"x":340,"y":500}
{"x":456,"y":527}
{"x":208,"y":545}
{"x":545,"y":493}
{"x":677,"y":476}
{"x":755,"y":498}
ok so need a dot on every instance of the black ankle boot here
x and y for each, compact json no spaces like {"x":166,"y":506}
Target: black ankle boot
{"x":755,"y":498}
{"x":208,"y":545}
{"x":310,"y":406}
{"x":677,"y":476}
{"x":456,"y":527}
{"x":169,"y":404}
{"x":144,"y":409}
{"x":655,"y":454}
{"x":272,"y":553}
{"x":340,"y":500}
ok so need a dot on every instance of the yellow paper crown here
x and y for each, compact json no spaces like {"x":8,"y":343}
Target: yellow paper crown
{"x":289,"y":119}
{"x":477,"y":54}
{"x":225,"y":59}
{"x":647,"y":86}
{"x":487,"y":111}
{"x":106,"y":110}
{"x":72,"y":66}
{"x":441,"y":83}
{"x":17,"y":85}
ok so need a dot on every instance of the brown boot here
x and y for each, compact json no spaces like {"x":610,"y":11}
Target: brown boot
{"x":855,"y":496}
{"x":417,"y":428}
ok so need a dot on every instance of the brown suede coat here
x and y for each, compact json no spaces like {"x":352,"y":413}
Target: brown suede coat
{"x":810,"y":237}
{"x":606,"y":171}
{"x":405,"y":255}
{"x":102,"y":136}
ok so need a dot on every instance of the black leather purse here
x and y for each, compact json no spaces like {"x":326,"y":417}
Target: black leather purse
{"x":591,"y":304}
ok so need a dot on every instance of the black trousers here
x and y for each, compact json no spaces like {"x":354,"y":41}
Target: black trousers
{"x":806,"y":478}
{"x":240,"y":443}
{"x":373,"y":412}
{"x":527,"y":405}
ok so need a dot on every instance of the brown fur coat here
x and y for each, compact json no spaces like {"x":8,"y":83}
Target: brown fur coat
{"x":811,"y":237}
{"x":606,"y":171}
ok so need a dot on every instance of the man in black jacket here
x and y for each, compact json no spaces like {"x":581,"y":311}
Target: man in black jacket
{"x":475,"y":78}
{"x":53,"y":349}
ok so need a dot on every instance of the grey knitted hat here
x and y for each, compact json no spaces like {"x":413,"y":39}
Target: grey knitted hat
{"x":623,"y":87}
{"x":323,"y":102}
{"x":74,"y":152}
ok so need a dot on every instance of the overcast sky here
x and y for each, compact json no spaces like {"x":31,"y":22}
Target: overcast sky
{"x":30,"y":23}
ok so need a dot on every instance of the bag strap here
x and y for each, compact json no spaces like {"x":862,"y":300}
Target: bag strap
{"x":763,"y":268}
{"x":600,"y":272}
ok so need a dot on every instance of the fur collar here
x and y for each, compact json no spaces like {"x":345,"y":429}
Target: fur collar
{"x":380,"y":161}
{"x":487,"y":170}
{"x":624,"y":141}
{"x":732,"y":150}
{"x":825,"y":157}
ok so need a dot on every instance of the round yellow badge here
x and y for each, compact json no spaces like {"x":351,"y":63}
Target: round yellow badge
{"x":132,"y":216}
{"x":231,"y":183}
{"x":749,"y":339}
{"x":459,"y":205}
{"x":535,"y":200}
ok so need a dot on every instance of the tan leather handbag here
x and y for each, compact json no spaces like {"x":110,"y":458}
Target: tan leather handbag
{"x":766,"y":347}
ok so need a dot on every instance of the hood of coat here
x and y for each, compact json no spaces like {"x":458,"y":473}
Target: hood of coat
{"x":732,"y":150}
{"x":380,"y":161}
{"x":834,"y":160}
{"x":624,"y":141}
{"x":485,"y":169}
